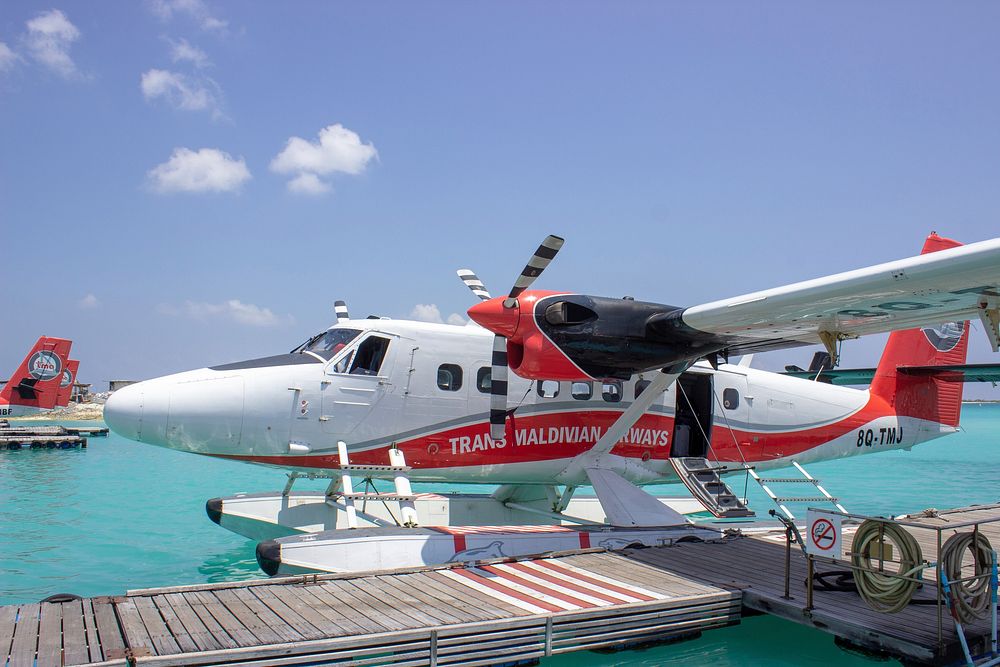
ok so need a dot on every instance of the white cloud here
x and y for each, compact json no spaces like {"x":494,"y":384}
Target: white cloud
{"x":429,"y":312}
{"x":49,"y":38}
{"x":184,"y":51}
{"x":232,"y":309}
{"x":7,"y":57}
{"x":89,"y":301}
{"x":195,"y":9}
{"x":337,"y":150}
{"x":308,"y":184}
{"x":181,"y":91}
{"x":207,"y":170}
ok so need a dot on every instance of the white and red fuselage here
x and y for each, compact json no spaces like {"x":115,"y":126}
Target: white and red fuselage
{"x":424,"y":388}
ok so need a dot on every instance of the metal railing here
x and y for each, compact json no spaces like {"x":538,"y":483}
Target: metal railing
{"x":792,"y":536}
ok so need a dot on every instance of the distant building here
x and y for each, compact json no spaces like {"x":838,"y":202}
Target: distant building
{"x":81,"y":392}
{"x":115,"y":385}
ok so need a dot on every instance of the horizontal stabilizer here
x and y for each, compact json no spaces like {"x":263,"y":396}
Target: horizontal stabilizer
{"x":960,"y":373}
{"x":625,"y":504}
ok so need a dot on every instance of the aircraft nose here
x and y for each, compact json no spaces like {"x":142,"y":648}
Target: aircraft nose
{"x":139,"y":412}
{"x":123,"y":411}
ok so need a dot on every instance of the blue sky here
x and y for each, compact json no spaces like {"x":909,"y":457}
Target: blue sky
{"x":187,"y":182}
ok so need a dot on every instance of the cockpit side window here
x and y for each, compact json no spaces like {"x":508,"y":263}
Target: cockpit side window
{"x":330,"y":342}
{"x":368,"y":359}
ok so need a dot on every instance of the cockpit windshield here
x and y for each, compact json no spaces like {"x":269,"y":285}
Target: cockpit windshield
{"x":329,"y":342}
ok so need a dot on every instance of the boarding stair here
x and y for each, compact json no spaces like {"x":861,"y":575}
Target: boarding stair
{"x":703,"y":481}
{"x":783,"y":500}
{"x":340,"y":493}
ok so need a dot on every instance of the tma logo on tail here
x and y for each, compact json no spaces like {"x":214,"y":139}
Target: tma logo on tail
{"x":44,"y":365}
{"x":945,"y":337}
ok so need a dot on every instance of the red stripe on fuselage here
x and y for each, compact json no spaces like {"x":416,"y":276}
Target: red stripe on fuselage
{"x":566,"y":434}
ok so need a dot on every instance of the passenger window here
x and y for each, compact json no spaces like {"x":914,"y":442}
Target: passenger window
{"x":368,"y":358}
{"x":548,"y":388}
{"x":449,"y":377}
{"x":582,"y":391}
{"x":484,"y":380}
{"x":612,"y":391}
{"x":640,"y":386}
{"x":730,"y":399}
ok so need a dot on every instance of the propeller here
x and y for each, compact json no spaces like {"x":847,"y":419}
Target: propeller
{"x":506,"y":317}
{"x":340,"y":308}
{"x":473,"y":282}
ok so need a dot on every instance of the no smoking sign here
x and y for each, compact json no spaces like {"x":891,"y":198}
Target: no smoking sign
{"x":823,"y":534}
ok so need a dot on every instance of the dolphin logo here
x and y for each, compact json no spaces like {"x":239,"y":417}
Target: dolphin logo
{"x":944,"y":337}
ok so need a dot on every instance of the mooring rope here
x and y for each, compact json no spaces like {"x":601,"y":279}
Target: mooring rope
{"x":971,"y":599}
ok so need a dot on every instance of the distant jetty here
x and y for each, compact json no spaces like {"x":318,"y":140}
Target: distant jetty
{"x":73,"y":412}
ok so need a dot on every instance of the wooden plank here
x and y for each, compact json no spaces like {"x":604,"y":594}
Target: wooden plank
{"x":163,"y":639}
{"x":330,"y":608}
{"x":262,"y":630}
{"x":136,"y":635}
{"x":177,"y":630}
{"x":211,"y":610}
{"x":394,"y":606}
{"x":265,"y":614}
{"x":304,"y":604}
{"x":22,"y":651}
{"x":396,"y":587}
{"x":8,"y":614}
{"x":499,"y":608}
{"x":193,"y":625}
{"x":368,"y":610}
{"x":50,"y":636}
{"x":75,"y":650}
{"x":108,"y":637}
{"x":430,"y":587}
{"x":283,"y":611}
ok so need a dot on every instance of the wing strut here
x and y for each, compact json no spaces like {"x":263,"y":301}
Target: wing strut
{"x":991,"y":323}
{"x":627,"y":420}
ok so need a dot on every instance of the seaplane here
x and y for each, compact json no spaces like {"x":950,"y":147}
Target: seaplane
{"x":545,"y":392}
{"x":42,"y":382}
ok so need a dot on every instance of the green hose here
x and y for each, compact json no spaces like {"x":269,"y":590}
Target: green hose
{"x":886,"y":593}
{"x":970,"y":598}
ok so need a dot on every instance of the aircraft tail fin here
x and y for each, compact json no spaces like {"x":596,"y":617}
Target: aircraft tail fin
{"x":66,"y":383}
{"x":924,"y":396}
{"x":36,"y":381}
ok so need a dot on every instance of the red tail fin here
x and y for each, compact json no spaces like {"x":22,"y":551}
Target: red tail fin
{"x":66,"y":384}
{"x":924,"y":396}
{"x":36,"y":381}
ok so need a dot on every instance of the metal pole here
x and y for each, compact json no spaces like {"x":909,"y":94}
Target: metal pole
{"x":788,"y":561}
{"x":809,"y":582}
{"x":940,"y":596}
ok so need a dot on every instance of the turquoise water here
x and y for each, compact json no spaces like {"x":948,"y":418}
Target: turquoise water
{"x":121,"y":515}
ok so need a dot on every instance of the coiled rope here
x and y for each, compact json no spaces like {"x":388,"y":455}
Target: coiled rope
{"x":971,"y":599}
{"x":885,"y":592}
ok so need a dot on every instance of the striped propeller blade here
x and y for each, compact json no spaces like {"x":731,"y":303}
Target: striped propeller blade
{"x":498,"y":389}
{"x":340,"y":308}
{"x":541,"y":259}
{"x":473,"y":282}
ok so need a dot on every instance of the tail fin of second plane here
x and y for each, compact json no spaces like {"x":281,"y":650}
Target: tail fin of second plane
{"x":35,"y":383}
{"x":926,"y":396}
{"x":66,"y":384}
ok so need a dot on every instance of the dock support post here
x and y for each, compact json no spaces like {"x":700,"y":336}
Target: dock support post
{"x":434,"y":649}
{"x":548,"y":636}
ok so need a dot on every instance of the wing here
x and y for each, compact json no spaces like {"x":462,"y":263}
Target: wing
{"x":955,"y":284}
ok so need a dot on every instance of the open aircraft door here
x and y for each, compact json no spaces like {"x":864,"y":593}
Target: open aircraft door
{"x":354,"y":383}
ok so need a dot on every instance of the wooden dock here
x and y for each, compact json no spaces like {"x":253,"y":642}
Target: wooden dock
{"x":486,"y":615}
{"x":495,"y":612}
{"x":47,"y":437}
